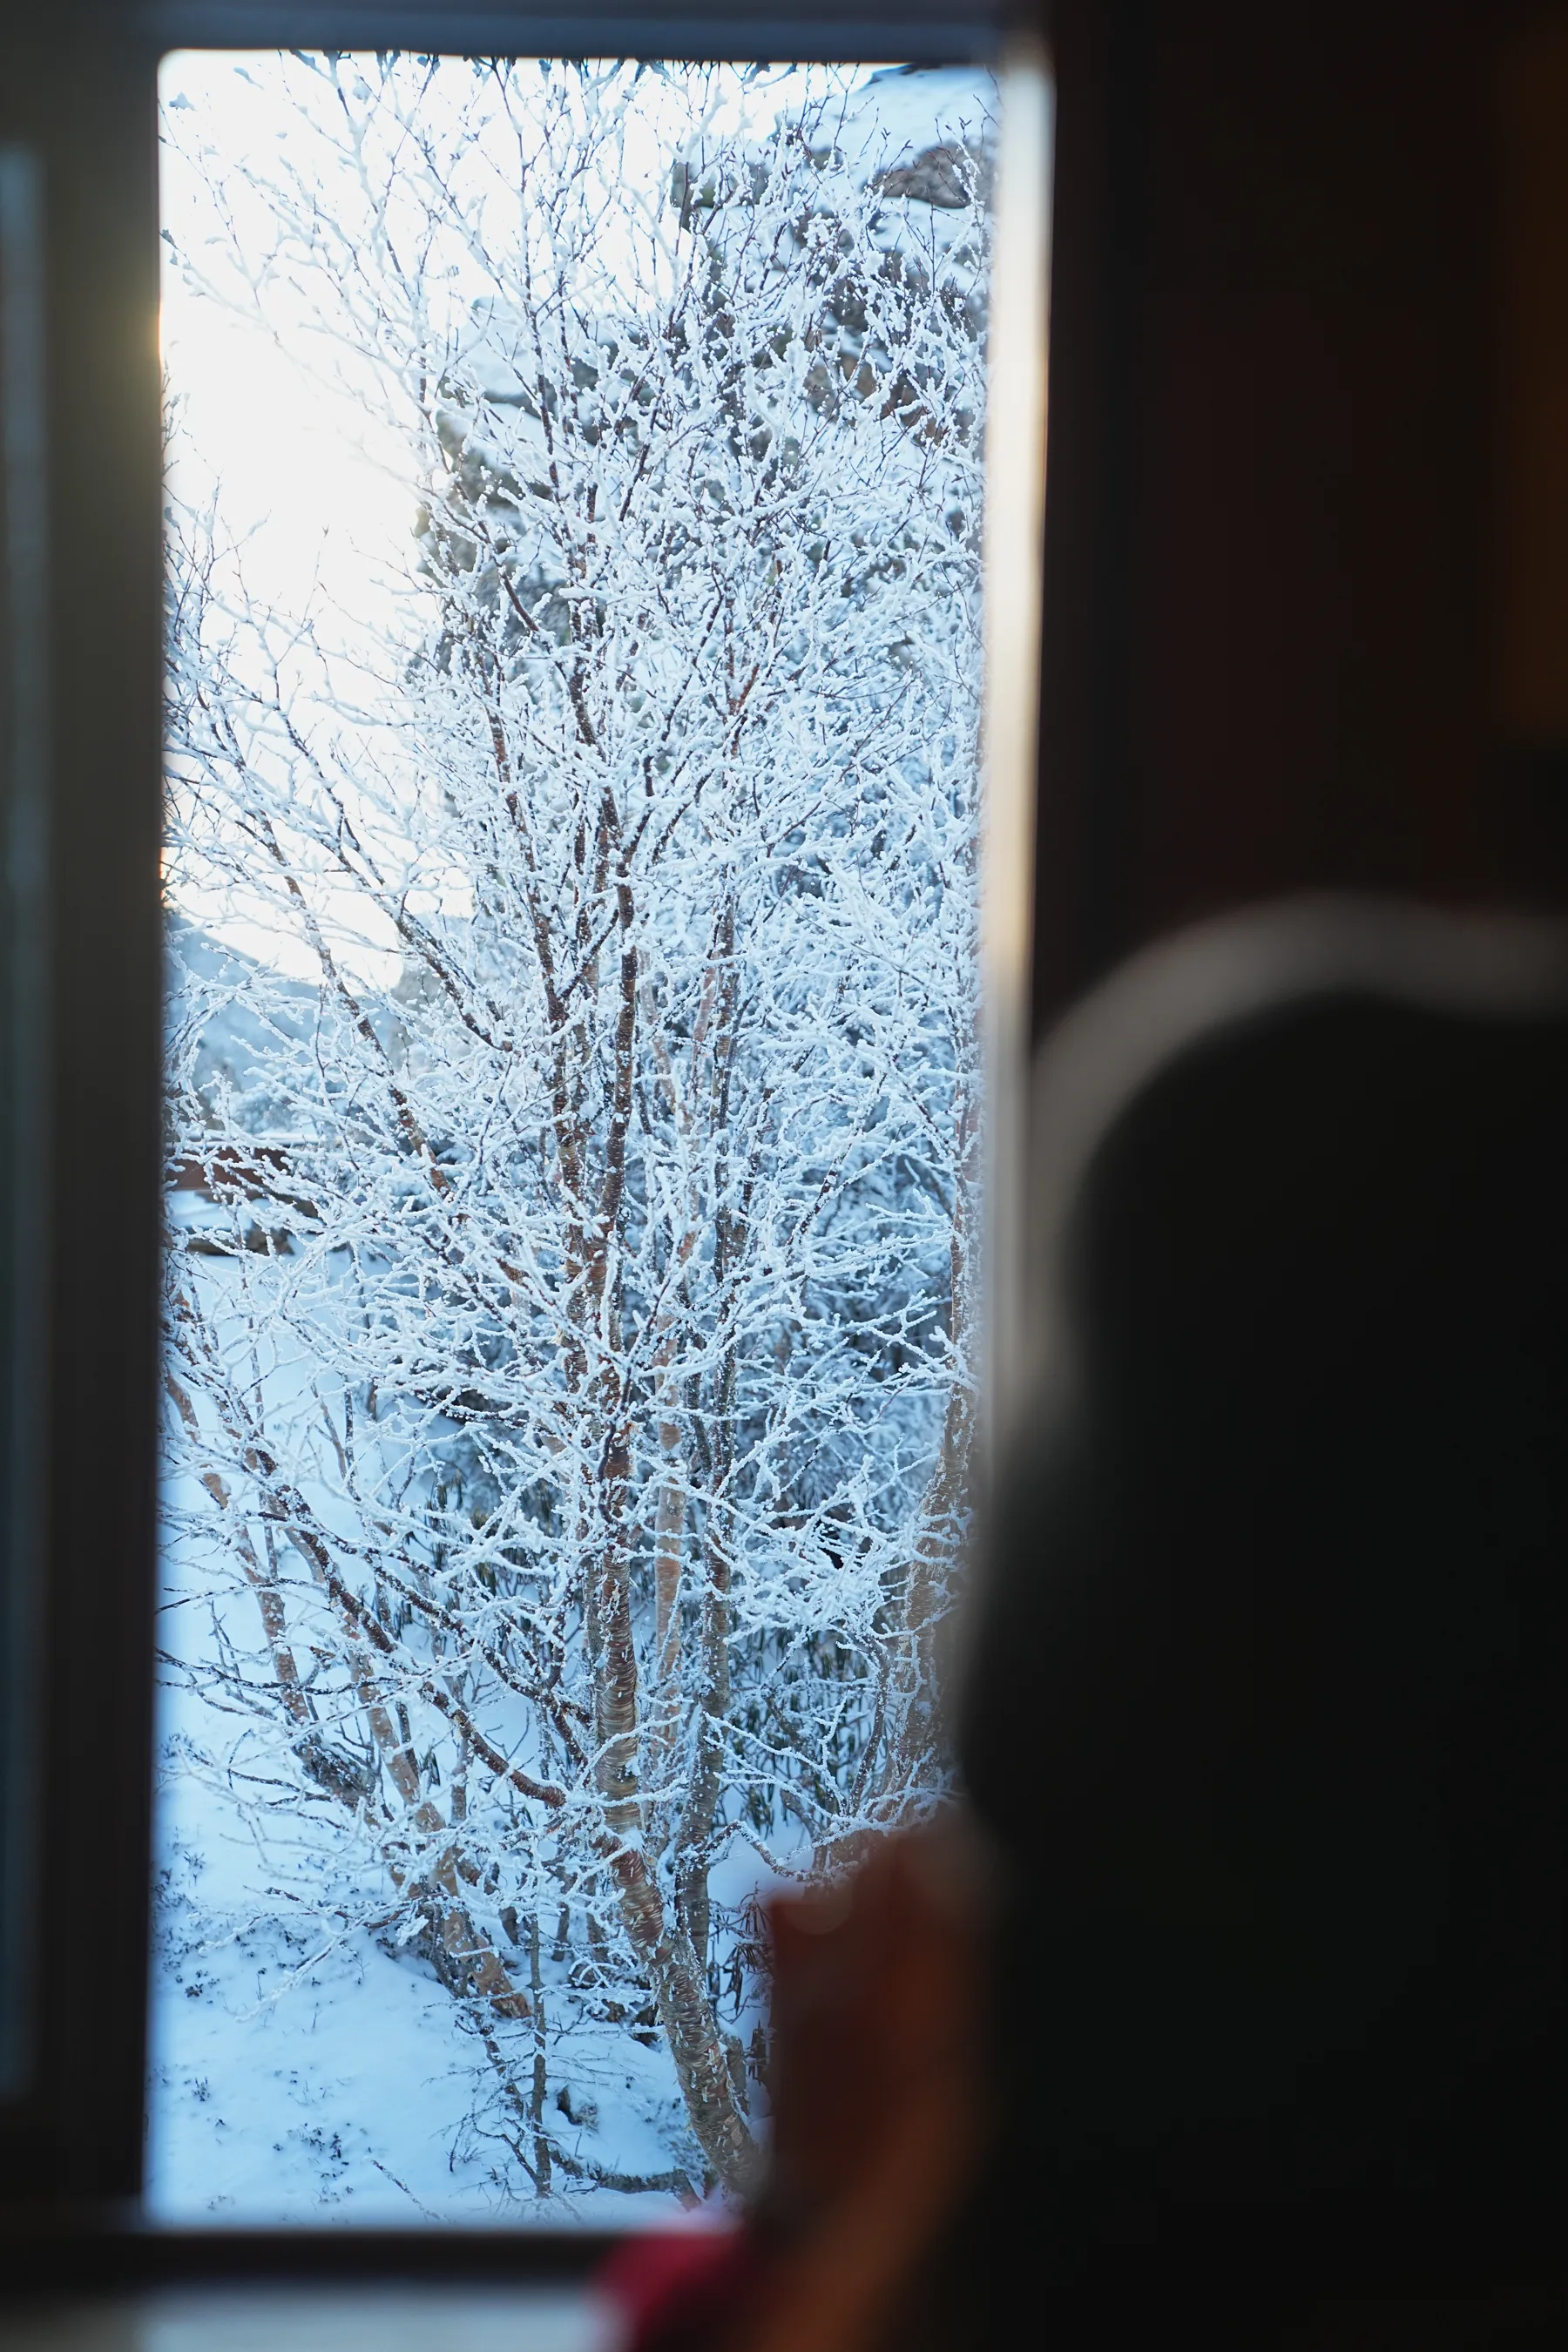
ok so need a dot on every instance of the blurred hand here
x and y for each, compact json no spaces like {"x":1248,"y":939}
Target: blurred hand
{"x":879,"y":2106}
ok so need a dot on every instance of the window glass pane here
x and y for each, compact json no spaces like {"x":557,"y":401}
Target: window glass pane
{"x":574,"y":1143}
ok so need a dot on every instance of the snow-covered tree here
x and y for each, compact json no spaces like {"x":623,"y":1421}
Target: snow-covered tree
{"x":570,"y":1293}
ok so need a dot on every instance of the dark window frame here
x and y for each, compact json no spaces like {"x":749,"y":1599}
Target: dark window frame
{"x":78,"y":97}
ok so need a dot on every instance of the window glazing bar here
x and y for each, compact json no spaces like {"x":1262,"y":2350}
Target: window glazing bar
{"x":862,"y":33}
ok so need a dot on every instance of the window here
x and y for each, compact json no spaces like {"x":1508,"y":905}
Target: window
{"x":79,"y":116}
{"x":574,"y":1103}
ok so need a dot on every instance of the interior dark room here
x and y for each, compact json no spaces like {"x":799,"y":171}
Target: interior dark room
{"x":1218,"y":1732}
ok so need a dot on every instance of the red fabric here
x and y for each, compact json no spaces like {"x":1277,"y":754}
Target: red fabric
{"x":681,"y":2291}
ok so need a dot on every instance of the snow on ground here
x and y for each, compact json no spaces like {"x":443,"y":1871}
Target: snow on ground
{"x":901,"y":109}
{"x":289,"y":2087}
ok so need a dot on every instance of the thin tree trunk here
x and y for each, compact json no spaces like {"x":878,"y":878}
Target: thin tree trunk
{"x":669,"y":1523}
{"x":686,"y":2012}
{"x":701,"y":1808}
{"x":541,"y":2075}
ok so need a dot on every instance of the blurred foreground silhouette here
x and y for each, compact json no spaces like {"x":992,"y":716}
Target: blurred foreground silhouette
{"x":1232,"y":1999}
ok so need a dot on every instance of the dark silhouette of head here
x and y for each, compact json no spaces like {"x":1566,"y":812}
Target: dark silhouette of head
{"x":1266,"y":1696}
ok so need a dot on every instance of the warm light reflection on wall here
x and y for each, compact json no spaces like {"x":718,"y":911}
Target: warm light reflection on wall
{"x":1015,"y":512}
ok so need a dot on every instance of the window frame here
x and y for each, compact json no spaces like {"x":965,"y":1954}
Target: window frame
{"x":80,"y":97}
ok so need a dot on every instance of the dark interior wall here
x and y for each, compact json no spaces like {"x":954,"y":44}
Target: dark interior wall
{"x":82,"y":108}
{"x":1269,"y":569}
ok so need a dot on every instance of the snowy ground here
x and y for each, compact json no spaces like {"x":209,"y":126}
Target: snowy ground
{"x":294,"y":2079}
{"x":289,"y":2088}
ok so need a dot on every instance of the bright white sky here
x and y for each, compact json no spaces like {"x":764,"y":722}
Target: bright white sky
{"x":307,"y":475}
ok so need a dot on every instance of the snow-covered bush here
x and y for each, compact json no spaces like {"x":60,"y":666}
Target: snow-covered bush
{"x":570,"y":1293}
